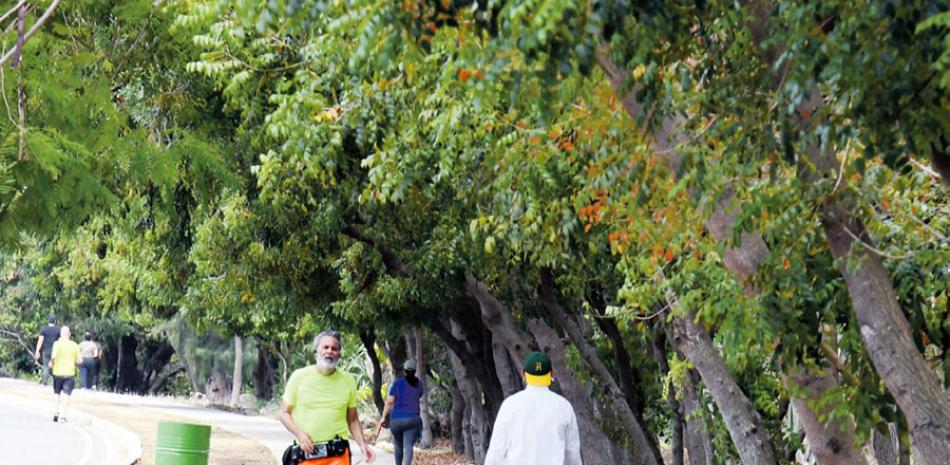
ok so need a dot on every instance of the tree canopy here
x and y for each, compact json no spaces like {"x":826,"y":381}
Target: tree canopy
{"x":712,"y":214}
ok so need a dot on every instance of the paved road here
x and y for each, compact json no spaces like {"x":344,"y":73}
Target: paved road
{"x":28,"y":438}
{"x":264,"y":430}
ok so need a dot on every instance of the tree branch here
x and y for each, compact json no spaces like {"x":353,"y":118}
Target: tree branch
{"x":39,"y":23}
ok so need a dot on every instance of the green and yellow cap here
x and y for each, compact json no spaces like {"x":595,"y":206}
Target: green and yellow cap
{"x":537,"y":369}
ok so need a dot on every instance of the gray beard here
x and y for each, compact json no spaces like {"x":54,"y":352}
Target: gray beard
{"x":326,"y":365}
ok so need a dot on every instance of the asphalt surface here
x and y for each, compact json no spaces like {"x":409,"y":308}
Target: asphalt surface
{"x":265,"y":430}
{"x":30,"y":438}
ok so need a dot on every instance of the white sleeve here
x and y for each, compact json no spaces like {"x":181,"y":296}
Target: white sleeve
{"x":498,"y":446}
{"x":572,"y":444}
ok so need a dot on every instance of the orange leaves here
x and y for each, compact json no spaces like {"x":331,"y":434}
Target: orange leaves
{"x":591,"y":214}
{"x":668,"y":255}
{"x":662,"y":252}
{"x":465,"y":74}
{"x":617,"y":236}
{"x":786,"y":265}
{"x":565,"y":144}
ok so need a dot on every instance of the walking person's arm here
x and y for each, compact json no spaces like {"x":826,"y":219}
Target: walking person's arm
{"x":388,"y":410}
{"x":498,"y":445}
{"x":39,"y":345}
{"x":356,"y":432}
{"x":572,"y":445}
{"x":52,"y":356}
{"x":286,"y":419}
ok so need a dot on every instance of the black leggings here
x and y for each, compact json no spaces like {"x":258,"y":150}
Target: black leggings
{"x":406,"y":432}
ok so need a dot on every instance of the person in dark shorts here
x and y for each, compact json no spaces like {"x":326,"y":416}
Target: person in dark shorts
{"x":63,"y":361}
{"x":403,"y":405}
{"x":44,"y":346}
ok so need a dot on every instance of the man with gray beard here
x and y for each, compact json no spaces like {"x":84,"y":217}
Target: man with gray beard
{"x":319,"y":407}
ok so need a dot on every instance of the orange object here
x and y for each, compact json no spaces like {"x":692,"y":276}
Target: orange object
{"x":338,"y":460}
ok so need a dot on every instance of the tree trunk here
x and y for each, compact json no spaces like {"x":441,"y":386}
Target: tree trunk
{"x":396,"y":352}
{"x":499,"y":321}
{"x":628,"y":379}
{"x":238,"y":375}
{"x":884,"y":447}
{"x":160,"y":355}
{"x":466,"y":336}
{"x":645,"y":445}
{"x":741,"y":419}
{"x":829,"y":447}
{"x":265,"y":377}
{"x":456,"y":417}
{"x":698,"y":442}
{"x":511,"y":380}
{"x":217,"y":386}
{"x":595,"y":445}
{"x":368,"y":337}
{"x":478,"y":414}
{"x":280,"y":349}
{"x":887,"y":336}
{"x":129,"y":377}
{"x":426,"y":440}
{"x":658,"y":345}
{"x":156,"y":386}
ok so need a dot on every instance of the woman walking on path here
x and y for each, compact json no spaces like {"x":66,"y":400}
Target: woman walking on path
{"x":89,"y":370}
{"x":403,"y":404}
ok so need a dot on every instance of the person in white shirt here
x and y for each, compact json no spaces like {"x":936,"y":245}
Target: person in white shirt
{"x":535,"y":426}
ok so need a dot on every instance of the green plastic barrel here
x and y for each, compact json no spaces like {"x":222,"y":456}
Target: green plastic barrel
{"x":182,"y":444}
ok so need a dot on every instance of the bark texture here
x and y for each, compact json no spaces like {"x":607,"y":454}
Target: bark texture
{"x":368,"y":338}
{"x":426,"y":440}
{"x":128,"y":378}
{"x":456,"y":418}
{"x":265,"y":374}
{"x":829,"y":447}
{"x":477,"y":427}
{"x":698,"y":443}
{"x":499,"y":321}
{"x":659,"y":348}
{"x":887,"y":336}
{"x":237,"y":376}
{"x":738,"y":413}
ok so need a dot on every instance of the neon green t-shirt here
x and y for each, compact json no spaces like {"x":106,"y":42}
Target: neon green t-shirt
{"x":65,"y":353}
{"x":320,"y":402}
